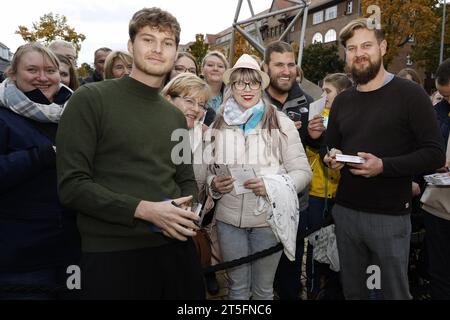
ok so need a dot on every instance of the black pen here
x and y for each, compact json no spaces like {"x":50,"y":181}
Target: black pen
{"x":175,"y":204}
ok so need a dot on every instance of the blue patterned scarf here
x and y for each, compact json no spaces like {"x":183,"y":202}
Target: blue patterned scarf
{"x":246,"y":120}
{"x":215,"y":103}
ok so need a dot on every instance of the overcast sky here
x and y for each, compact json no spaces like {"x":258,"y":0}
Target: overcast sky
{"x":105,"y":23}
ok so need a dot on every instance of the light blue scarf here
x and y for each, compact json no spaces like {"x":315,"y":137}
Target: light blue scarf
{"x":215,"y":103}
{"x":246,"y":120}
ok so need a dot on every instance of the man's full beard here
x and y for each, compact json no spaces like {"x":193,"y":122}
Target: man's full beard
{"x":363,"y":76}
{"x":276,"y":87}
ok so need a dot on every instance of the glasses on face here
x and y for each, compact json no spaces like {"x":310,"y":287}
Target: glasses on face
{"x":191,"y":103}
{"x":241,"y":85}
{"x":181,"y":69}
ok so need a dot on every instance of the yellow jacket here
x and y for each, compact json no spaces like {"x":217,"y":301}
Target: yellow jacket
{"x":317,"y":187}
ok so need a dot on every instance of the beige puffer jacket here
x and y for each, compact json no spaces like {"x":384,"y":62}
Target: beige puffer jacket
{"x":234,"y":149}
{"x":436,"y":199}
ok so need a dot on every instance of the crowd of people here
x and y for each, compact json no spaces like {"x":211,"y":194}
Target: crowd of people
{"x":90,"y":172}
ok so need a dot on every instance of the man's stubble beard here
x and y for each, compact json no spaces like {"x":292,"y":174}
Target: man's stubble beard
{"x":150,"y":71}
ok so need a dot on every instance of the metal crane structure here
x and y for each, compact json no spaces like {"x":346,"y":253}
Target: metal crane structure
{"x":257,"y":43}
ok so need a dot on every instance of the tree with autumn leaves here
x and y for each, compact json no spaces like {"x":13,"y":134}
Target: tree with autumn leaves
{"x":426,"y":53}
{"x":241,"y":46}
{"x":403,"y":19}
{"x":51,"y":27}
{"x":199,"y":48}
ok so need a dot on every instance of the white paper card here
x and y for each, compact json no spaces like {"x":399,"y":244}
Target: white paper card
{"x":348,"y":158}
{"x":241,"y":174}
{"x":440,"y":179}
{"x":316,"y":107}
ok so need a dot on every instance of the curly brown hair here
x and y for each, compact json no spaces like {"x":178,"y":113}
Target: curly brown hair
{"x":154,"y":18}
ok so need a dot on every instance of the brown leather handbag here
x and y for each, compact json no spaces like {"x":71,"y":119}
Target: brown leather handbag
{"x":202,"y":243}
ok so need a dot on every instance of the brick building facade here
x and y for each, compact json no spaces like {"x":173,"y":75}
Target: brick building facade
{"x":325,"y":20}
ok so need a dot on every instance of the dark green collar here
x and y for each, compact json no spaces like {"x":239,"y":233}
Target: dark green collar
{"x":140,"y":89}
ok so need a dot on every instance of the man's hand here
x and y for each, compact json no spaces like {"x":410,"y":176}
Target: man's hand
{"x":257,"y":186}
{"x":316,"y":127}
{"x":222,"y":184}
{"x":445,"y":168}
{"x":174,"y":222}
{"x":330,"y":160}
{"x":209,"y":204}
{"x":371,"y":168}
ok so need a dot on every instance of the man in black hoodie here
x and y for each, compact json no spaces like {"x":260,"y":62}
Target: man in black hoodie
{"x":286,"y":94}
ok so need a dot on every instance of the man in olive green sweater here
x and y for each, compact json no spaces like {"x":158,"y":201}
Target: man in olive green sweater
{"x":115,"y":169}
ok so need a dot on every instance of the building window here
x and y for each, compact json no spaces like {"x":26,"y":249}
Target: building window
{"x":409,"y":60}
{"x":330,"y":36}
{"x":317,"y":38}
{"x":318,"y":17}
{"x":331,"y":13}
{"x":349,"y":7}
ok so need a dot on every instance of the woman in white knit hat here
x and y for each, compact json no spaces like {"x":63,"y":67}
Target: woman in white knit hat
{"x":250,"y":135}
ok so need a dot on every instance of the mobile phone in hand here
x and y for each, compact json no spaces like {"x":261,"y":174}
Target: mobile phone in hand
{"x":221,"y":170}
{"x":294,"y":116}
{"x":199,"y":211}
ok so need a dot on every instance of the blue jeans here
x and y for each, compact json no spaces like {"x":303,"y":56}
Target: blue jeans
{"x":253,"y":279}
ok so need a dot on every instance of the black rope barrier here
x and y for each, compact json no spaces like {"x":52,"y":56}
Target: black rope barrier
{"x":266,"y":252}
